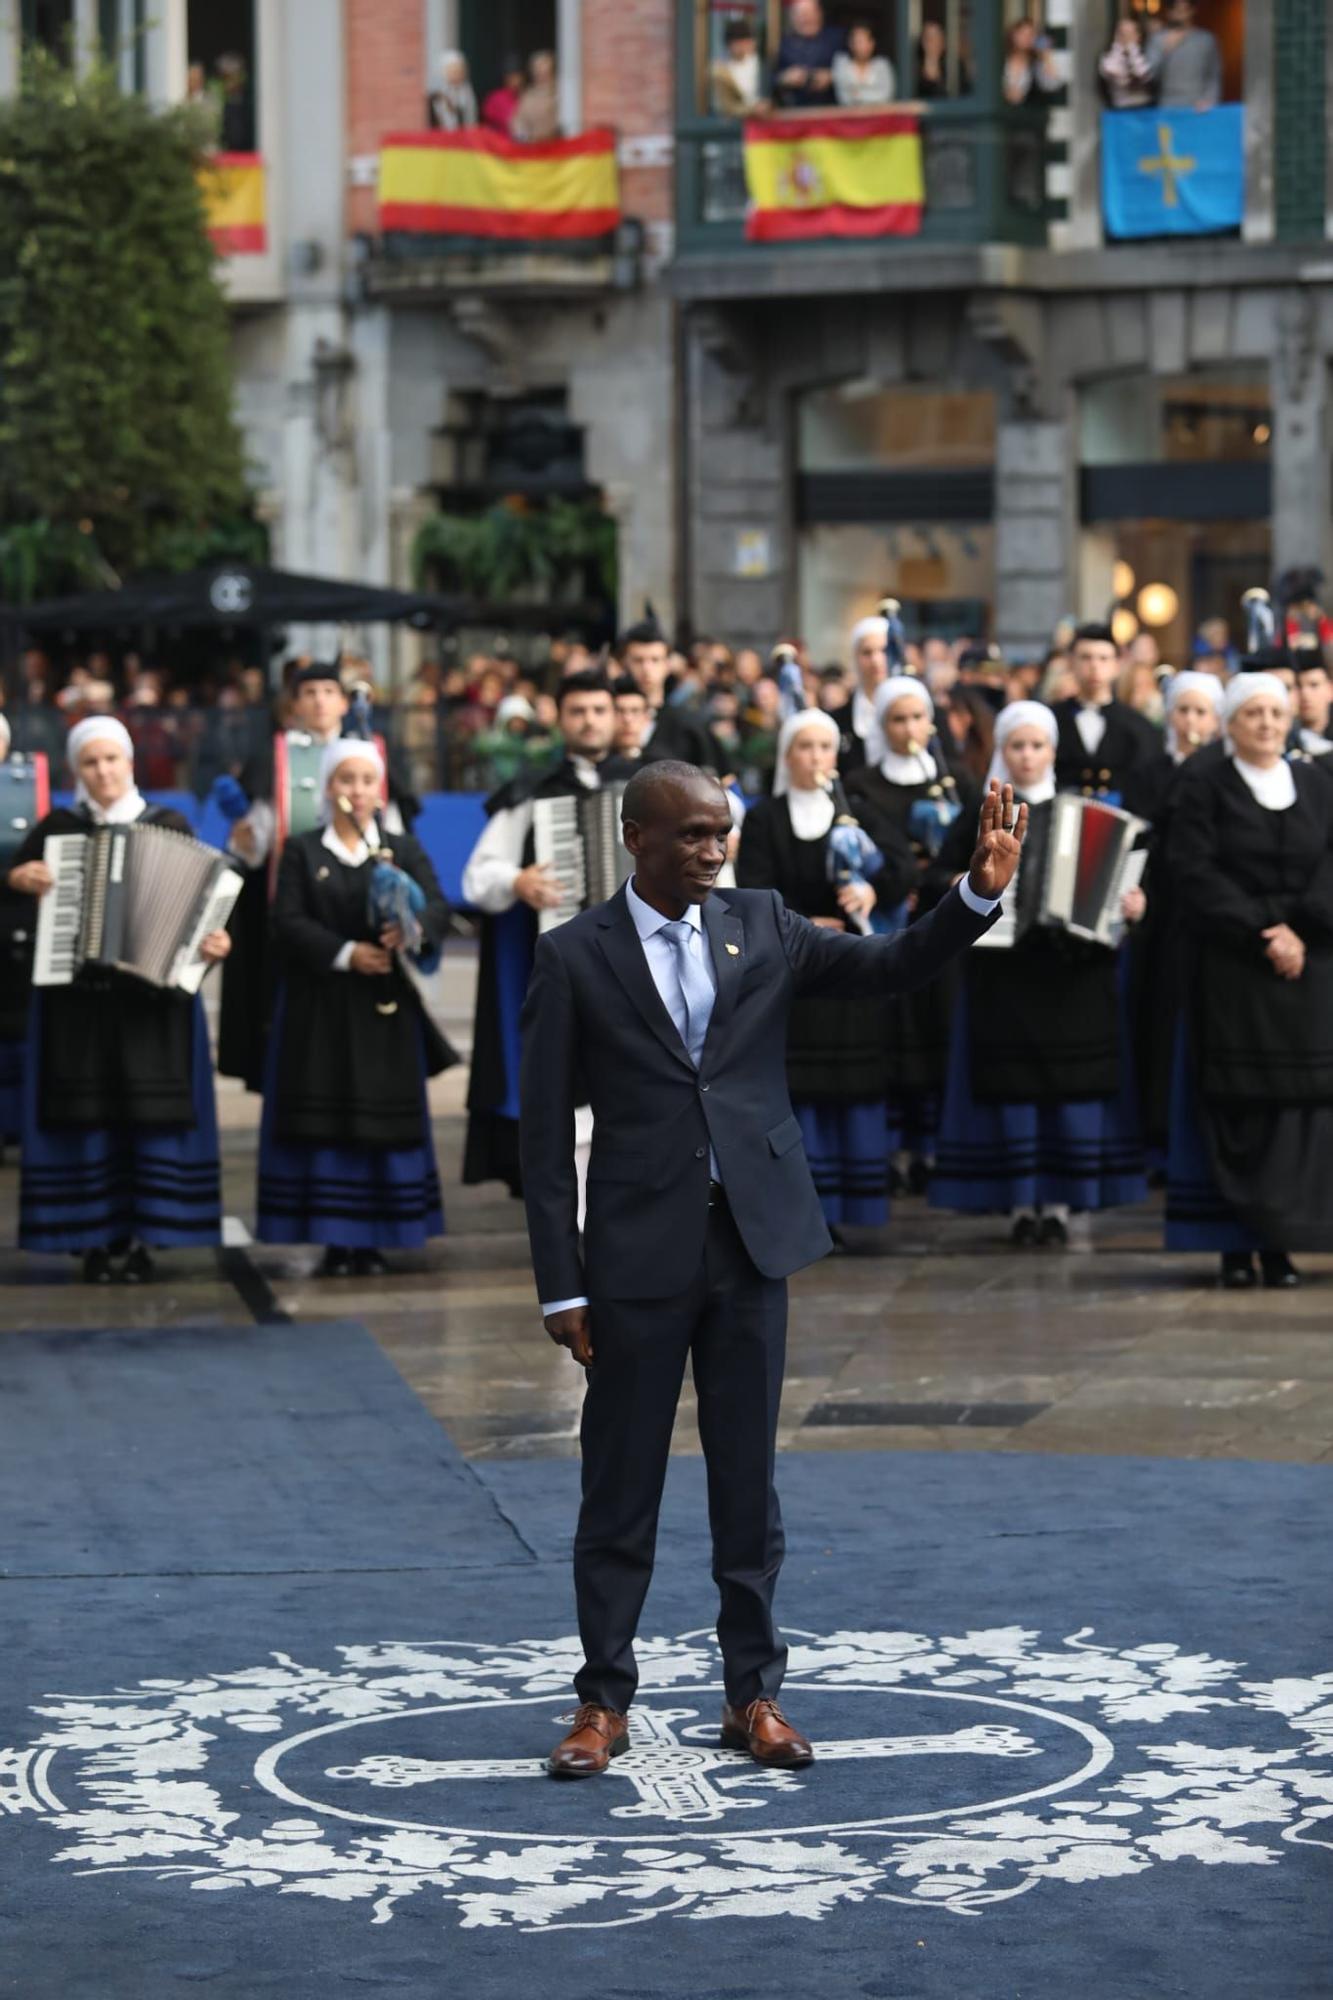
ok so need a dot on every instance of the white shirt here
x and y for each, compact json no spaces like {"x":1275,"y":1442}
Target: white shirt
{"x":1090,"y":723}
{"x":863,"y":713}
{"x":497,"y":858}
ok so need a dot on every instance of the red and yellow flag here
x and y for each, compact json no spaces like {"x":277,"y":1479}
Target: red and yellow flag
{"x":233,"y":189}
{"x":854,"y":174}
{"x":478,"y":183}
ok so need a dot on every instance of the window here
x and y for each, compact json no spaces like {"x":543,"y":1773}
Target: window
{"x":857,"y":426}
{"x":1210,"y":415}
{"x":49,"y":24}
{"x":942,"y":50}
{"x":493,"y":34}
{"x":221,"y":52}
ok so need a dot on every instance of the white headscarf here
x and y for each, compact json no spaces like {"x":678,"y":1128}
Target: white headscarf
{"x":104,"y":729}
{"x":898,"y":769}
{"x":1019,"y":715}
{"x":804,"y":718}
{"x":810,"y":812}
{"x":1248,"y":687}
{"x":5,"y":737}
{"x":345,"y":750}
{"x":1190,"y":681}
{"x":868,"y":628}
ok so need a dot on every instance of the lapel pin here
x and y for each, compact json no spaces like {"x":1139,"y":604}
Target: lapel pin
{"x":735,"y":950}
{"x":321,"y":874}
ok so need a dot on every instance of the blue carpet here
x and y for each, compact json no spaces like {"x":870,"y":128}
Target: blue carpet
{"x":279,"y":1669}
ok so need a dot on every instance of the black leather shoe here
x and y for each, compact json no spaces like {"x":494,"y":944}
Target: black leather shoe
{"x":1023,"y":1233}
{"x":138,"y":1268}
{"x":335,"y":1263}
{"x":1238,"y":1274}
{"x":918,"y":1177}
{"x":368,"y":1264}
{"x":1280,"y":1274}
{"x":97,"y":1267}
{"x":1053,"y":1234}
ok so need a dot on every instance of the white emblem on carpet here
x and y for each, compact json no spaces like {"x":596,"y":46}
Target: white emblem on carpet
{"x":952,"y":1772}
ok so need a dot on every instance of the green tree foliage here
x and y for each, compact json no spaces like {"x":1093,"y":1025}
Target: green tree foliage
{"x":117,"y":444}
{"x":552,"y":550}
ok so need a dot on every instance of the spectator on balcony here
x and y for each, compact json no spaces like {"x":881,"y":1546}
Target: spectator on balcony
{"x":1029,"y":71}
{"x":237,"y":121}
{"x":861,"y":76}
{"x":736,"y":83}
{"x":1185,"y":61}
{"x":1125,"y":71}
{"x":498,"y":110}
{"x":803,"y":71}
{"x":932,"y":66}
{"x":453,"y":107}
{"x":538,"y":115}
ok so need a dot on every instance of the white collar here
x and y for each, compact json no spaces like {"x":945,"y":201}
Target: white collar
{"x":1274,"y":788}
{"x":810,"y":811}
{"x":121,"y":812}
{"x":1038,"y":794}
{"x":585,"y":771}
{"x":648,"y":921}
{"x":351,"y":857}
{"x":917,"y":769}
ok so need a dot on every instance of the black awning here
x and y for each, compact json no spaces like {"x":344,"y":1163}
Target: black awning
{"x":236,"y":594}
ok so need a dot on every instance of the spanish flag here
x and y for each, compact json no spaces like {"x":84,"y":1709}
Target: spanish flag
{"x":233,"y":190}
{"x":478,"y":183}
{"x":830,"y":175}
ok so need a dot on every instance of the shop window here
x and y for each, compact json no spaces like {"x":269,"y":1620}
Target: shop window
{"x":850,"y":428}
{"x":222,"y":54}
{"x":942,"y":574}
{"x":1214,"y":416}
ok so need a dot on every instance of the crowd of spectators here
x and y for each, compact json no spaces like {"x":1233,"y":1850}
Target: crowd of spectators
{"x":472,"y":723}
{"x":1165,"y":59}
{"x":523,"y":105}
{"x":818,"y":65}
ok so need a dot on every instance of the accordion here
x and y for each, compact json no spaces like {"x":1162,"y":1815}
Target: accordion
{"x":135,"y":899}
{"x":1078,"y":860}
{"x":580,"y":839}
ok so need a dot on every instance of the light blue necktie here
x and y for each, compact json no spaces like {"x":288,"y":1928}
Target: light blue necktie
{"x":695,"y":986}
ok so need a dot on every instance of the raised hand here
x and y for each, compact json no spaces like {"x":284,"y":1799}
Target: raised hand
{"x":1000,"y":835}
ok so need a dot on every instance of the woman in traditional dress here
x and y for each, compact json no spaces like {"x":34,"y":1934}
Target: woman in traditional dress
{"x":837,"y":1050}
{"x":907,"y":788}
{"x":1156,"y":970}
{"x":1251,"y":853}
{"x":1038,"y":1117}
{"x":346,"y":1157}
{"x":120,"y":1144}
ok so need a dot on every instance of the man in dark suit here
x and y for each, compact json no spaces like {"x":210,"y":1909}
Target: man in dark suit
{"x":671,"y":730}
{"x":1102,"y":741}
{"x":669,"y":1005}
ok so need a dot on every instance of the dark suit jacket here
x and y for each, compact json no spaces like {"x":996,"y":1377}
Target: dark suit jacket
{"x":593,"y":1010}
{"x":1129,"y":742}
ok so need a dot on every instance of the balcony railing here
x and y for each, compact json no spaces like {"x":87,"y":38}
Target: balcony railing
{"x":984,"y":174}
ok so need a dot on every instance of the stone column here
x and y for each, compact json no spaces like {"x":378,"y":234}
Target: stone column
{"x":1036,"y":531}
{"x":1302,"y":441}
{"x":742,"y":554}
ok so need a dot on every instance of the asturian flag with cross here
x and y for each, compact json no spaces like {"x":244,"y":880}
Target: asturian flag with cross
{"x":1173,"y":173}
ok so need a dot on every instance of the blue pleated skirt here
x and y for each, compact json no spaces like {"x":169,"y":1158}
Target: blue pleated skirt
{"x":355,"y":1197}
{"x":87,"y":1187}
{"x":992,"y":1158}
{"x":1197,"y":1218}
{"x":844,"y":1144}
{"x":11,"y":1089}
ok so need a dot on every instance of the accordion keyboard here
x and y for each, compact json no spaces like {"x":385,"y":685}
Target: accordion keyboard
{"x":558,"y":841}
{"x":57,"y":954}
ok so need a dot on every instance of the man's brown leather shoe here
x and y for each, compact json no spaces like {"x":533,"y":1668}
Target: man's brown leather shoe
{"x":765,"y":1732}
{"x":598,"y":1735}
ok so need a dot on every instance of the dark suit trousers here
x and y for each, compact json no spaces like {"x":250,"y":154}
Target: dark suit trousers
{"x":732,"y":1324}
